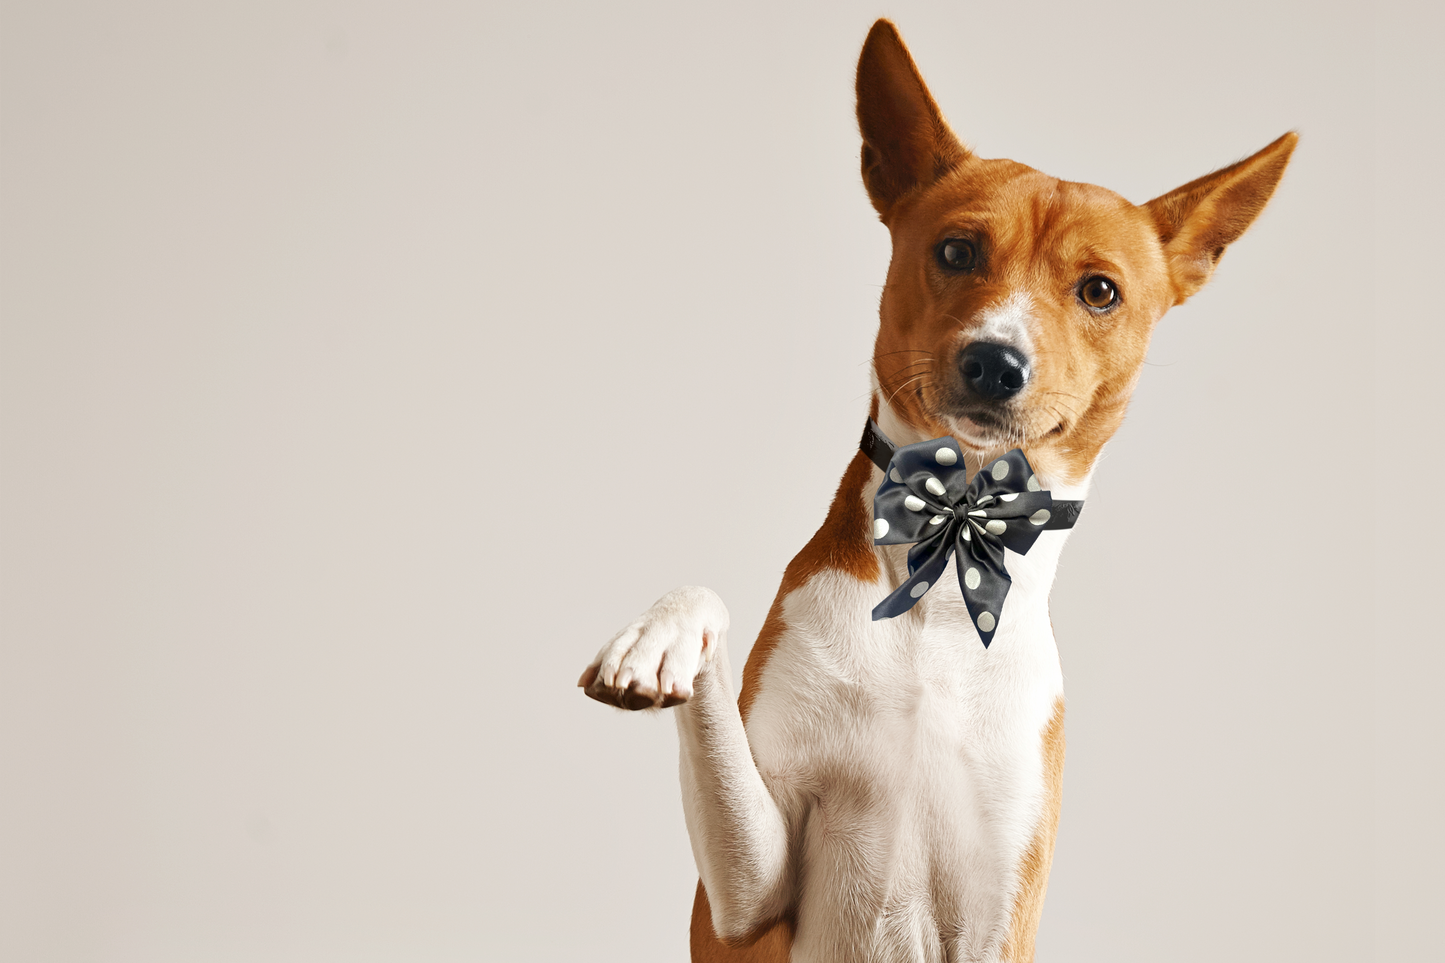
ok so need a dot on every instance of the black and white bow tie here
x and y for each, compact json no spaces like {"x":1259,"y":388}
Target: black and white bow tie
{"x":926,"y":498}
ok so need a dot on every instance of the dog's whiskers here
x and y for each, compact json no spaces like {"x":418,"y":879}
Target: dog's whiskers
{"x":1053,"y":405}
{"x":887,"y":354}
{"x":899,"y":372}
{"x":905,"y":385}
{"x":887,"y":383}
{"x":904,"y":368}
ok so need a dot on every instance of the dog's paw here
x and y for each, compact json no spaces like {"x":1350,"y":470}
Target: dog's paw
{"x":654,"y":661}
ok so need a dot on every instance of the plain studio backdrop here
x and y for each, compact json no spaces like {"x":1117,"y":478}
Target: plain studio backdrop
{"x":365,"y":366}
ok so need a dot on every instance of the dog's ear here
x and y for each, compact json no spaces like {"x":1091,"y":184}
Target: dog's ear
{"x":906,"y":141}
{"x":1198,"y":221}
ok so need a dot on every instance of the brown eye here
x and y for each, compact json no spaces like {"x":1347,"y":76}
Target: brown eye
{"x":957,"y":254}
{"x":1098,"y":293}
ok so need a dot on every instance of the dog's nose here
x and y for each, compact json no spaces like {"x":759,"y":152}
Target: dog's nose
{"x":995,"y":372}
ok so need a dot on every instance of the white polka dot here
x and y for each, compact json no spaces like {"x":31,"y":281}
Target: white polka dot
{"x":880,"y":527}
{"x":893,"y":474}
{"x":1040,"y":516}
{"x":913,"y":503}
{"x":918,"y":589}
{"x":986,"y":622}
{"x":967,"y":535}
{"x":935,"y":486}
{"x":945,"y":456}
{"x":978,"y":514}
{"x":996,"y":527}
{"x":937,"y":519}
{"x":1009,"y":497}
{"x":971,"y":578}
{"x":1034,"y":483}
{"x":985,"y":500}
{"x":999,"y":470}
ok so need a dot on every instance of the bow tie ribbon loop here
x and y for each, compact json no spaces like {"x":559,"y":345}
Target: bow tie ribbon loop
{"x":927,"y":500}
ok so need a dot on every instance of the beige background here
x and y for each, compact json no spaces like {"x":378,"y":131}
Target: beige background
{"x":342,"y":342}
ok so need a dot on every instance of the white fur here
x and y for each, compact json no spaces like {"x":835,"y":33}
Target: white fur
{"x":890,"y":777}
{"x":1010,"y":322}
{"x":908,"y":758}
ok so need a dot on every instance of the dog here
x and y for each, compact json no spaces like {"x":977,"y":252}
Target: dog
{"x":888,"y":789}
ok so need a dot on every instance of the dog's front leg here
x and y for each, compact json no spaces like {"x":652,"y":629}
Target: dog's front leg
{"x":675,"y":653}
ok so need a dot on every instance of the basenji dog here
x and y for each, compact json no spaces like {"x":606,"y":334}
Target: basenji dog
{"x":888,"y":789}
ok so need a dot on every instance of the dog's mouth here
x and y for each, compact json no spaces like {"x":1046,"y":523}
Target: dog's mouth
{"x":985,"y":427}
{"x":985,"y":430}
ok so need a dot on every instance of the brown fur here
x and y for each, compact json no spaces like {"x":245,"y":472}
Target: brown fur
{"x":771,"y":944}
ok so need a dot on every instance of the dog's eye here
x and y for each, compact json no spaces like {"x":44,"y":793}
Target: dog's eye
{"x":957,"y":254}
{"x":1098,"y":293}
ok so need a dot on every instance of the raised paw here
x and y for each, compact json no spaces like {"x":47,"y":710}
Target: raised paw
{"x":653,"y":662}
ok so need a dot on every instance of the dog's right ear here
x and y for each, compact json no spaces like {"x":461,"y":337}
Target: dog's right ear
{"x":1198,"y":221}
{"x":906,"y":142}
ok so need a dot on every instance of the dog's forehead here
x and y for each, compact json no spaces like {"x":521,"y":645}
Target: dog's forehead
{"x":1022,"y":210}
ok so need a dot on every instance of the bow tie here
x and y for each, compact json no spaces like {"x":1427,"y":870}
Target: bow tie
{"x":926,"y":499}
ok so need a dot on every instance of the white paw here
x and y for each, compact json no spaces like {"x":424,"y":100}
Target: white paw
{"x":654,"y":661}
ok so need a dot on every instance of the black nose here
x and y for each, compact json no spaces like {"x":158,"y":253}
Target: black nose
{"x":994,"y":371}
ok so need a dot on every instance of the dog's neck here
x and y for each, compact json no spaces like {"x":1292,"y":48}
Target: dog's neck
{"x":1032,"y":574}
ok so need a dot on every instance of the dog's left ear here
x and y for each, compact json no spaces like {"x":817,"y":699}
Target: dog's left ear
{"x":1198,"y":221}
{"x":906,"y":142}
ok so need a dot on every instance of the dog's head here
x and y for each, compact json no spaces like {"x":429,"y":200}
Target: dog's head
{"x":1018,"y":307}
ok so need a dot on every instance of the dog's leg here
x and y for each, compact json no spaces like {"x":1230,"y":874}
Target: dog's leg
{"x":675,"y":653}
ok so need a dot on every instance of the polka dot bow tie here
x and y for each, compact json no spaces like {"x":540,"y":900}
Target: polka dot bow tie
{"x":926,"y":499}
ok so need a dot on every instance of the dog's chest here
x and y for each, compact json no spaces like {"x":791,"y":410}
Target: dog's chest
{"x":907,"y":759}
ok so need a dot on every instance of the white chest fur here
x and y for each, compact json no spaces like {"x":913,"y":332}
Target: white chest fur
{"x":906,"y":760}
